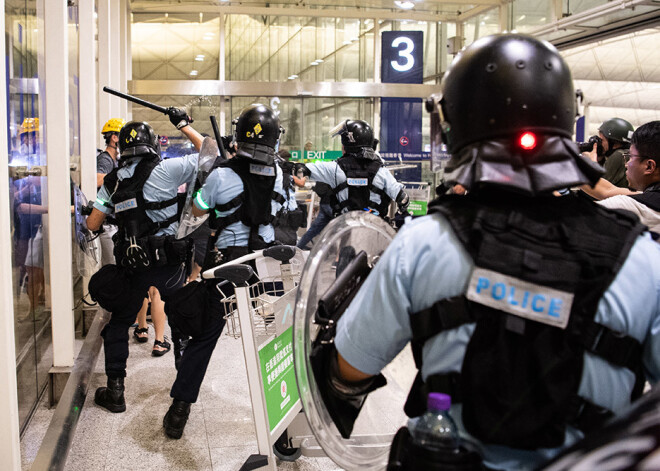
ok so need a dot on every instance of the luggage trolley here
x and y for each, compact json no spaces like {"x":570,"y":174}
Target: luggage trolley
{"x":273,"y":312}
{"x":260,"y":312}
{"x":420,"y":195}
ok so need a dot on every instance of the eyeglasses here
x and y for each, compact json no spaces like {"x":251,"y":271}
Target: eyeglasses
{"x":627,"y":156}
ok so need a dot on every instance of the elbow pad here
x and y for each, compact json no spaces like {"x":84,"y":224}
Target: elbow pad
{"x":402,"y":199}
{"x":302,"y":168}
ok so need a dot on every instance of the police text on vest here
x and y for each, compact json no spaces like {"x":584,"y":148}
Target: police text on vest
{"x":520,"y":298}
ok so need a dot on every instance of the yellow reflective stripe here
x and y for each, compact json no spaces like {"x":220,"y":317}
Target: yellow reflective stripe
{"x":200,"y":201}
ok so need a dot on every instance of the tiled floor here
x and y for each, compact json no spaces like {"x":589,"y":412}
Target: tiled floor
{"x":219,"y":435}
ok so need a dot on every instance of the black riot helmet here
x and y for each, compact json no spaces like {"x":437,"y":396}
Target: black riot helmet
{"x":506,"y":114}
{"x":258,"y":124}
{"x":617,"y":129}
{"x":503,"y":84}
{"x":354,"y":134}
{"x":138,"y":138}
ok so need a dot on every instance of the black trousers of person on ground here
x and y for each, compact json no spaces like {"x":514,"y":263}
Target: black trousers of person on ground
{"x":167,"y":280}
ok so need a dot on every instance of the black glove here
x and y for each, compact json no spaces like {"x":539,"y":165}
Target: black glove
{"x":87,"y":209}
{"x":305,"y":171}
{"x":402,"y":200}
{"x":342,"y":400}
{"x":178,"y":117}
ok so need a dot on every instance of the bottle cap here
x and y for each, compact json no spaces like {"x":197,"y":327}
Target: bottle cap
{"x":438,"y":401}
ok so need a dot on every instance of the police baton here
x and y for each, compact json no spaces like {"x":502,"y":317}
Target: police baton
{"x":134,"y":99}
{"x":218,"y":138}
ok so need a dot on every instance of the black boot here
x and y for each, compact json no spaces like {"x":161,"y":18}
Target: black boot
{"x":112,"y":396}
{"x":176,"y":418}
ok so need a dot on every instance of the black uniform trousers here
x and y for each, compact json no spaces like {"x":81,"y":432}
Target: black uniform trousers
{"x":197,"y":354}
{"x":167,"y":280}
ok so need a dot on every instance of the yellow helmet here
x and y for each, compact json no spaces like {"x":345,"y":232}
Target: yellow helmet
{"x":113,"y":125}
{"x":29,"y":125}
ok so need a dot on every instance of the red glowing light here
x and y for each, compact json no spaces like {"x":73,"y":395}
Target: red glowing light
{"x":527,"y":141}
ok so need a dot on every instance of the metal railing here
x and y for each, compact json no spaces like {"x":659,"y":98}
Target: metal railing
{"x":55,"y":447}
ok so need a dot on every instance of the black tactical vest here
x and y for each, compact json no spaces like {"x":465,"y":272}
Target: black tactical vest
{"x":129,"y":204}
{"x":360,"y":174}
{"x":541,"y":267}
{"x":254,"y":204}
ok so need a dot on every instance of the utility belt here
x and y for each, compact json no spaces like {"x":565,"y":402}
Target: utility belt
{"x":295,"y":219}
{"x":406,"y":455}
{"x":153,"y":251}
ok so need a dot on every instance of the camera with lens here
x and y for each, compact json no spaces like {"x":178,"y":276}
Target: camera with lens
{"x":589,"y":145}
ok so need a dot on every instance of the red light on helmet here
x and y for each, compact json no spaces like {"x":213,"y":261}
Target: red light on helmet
{"x":527,"y":141}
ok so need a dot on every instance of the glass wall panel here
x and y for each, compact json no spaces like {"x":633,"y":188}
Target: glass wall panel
{"x":526,"y":15}
{"x":24,"y":47}
{"x":307,"y":121}
{"x":174,"y":143}
{"x":175,"y":46}
{"x":482,"y":25}
{"x":291,"y":48}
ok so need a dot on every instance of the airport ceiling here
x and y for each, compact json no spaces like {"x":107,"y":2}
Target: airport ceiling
{"x":612,"y":47}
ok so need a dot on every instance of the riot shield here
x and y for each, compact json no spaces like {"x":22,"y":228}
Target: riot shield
{"x":208,"y":154}
{"x":348,"y":248}
{"x":88,"y":252}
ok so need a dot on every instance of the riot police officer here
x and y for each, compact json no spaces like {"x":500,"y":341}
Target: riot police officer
{"x":358,"y":179}
{"x":244,"y":195}
{"x":142,"y":195}
{"x":535,"y":313}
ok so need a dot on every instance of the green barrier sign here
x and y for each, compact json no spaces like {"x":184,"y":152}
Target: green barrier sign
{"x":418,"y":208}
{"x":316,"y":155}
{"x":279,"y":378}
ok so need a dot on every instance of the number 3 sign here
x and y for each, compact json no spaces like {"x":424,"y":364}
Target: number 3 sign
{"x":402,"y":57}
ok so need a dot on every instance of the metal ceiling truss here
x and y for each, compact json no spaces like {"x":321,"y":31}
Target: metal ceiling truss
{"x":148,"y":7}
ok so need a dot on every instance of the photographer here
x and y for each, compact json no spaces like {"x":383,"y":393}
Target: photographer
{"x":615,"y":136}
{"x":642,"y":174}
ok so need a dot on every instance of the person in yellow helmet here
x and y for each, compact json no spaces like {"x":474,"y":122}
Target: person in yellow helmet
{"x":106,"y":161}
{"x":28,"y":134}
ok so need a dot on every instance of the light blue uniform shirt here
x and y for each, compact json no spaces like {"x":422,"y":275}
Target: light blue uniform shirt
{"x":426,"y":263}
{"x":161,"y":185}
{"x":332,"y":174}
{"x":222,"y":186}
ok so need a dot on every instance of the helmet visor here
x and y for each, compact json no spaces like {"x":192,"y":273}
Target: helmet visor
{"x":339,"y":129}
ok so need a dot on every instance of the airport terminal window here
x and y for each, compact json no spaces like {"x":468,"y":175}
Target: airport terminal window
{"x":294,"y":48}
{"x":526,"y":15}
{"x":199,"y":107}
{"x":482,"y":25}
{"x":175,"y":46}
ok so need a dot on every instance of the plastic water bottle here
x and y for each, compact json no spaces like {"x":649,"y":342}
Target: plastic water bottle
{"x":435,"y":429}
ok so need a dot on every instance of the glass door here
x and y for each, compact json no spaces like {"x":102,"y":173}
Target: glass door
{"x":28,"y":203}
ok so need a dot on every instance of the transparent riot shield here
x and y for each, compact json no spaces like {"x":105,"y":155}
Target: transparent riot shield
{"x":208,"y":154}
{"x":88,"y":247}
{"x":342,"y":241}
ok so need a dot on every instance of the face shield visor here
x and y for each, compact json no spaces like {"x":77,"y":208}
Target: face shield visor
{"x":339,"y":130}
